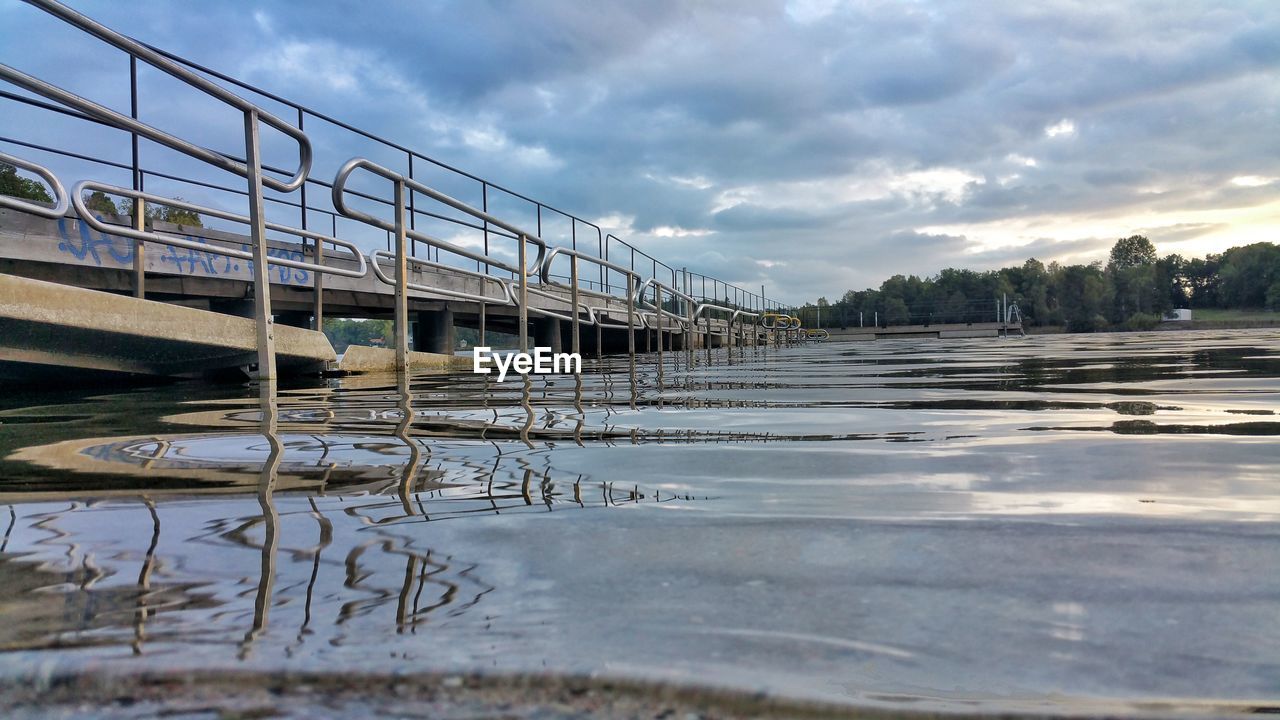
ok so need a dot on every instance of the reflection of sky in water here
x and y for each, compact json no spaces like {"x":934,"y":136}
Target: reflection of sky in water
{"x":1003,"y":521}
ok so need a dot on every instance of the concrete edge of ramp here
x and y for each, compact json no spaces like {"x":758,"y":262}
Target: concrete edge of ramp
{"x":364,"y":359}
{"x":70,"y":327}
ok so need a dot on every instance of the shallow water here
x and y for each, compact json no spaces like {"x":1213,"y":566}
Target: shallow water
{"x":994,"y":524}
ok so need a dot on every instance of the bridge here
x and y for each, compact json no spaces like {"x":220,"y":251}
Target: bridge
{"x":114,"y":272}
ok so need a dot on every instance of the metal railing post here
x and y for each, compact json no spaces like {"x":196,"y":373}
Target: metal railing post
{"x":139,"y":208}
{"x":484,"y":205}
{"x":402,"y":279}
{"x":139,"y":258}
{"x":524,"y":296}
{"x":657,"y":302}
{"x":631,"y":321}
{"x":689,"y":331}
{"x":413,"y":244}
{"x":573,"y":300}
{"x":707,"y":317}
{"x":258,"y":236}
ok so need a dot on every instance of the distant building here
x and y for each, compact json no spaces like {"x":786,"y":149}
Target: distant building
{"x":1177,"y":315}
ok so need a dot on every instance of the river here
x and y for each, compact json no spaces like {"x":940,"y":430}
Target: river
{"x":1052,"y":524}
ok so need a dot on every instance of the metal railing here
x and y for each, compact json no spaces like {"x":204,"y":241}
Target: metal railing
{"x":613,"y":257}
{"x":60,"y":199}
{"x":138,"y":197}
{"x":250,"y":168}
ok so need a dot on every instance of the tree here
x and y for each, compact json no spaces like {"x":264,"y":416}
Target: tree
{"x":1171,"y":283}
{"x":345,"y":332}
{"x":14,"y":185}
{"x":1132,"y":271}
{"x":165,"y":213}
{"x":1084,"y":295}
{"x":1202,"y":280}
{"x":1273,"y":296}
{"x":100,"y":203}
{"x":1034,"y":291}
{"x":895,"y":312}
{"x":1247,"y":273}
{"x":1132,"y":251}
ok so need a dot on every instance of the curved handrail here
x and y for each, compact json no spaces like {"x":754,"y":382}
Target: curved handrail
{"x":590,"y":320}
{"x":506,"y":299}
{"x":77,"y":199}
{"x":545,"y":272}
{"x":818,"y":334}
{"x":340,"y":204}
{"x":654,"y":309}
{"x":776,"y":321}
{"x":648,"y":320}
{"x":61,"y":201}
{"x":158,"y":61}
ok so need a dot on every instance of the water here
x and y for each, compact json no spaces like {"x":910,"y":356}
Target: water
{"x":1046,"y":524}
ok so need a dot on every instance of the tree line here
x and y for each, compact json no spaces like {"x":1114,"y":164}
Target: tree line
{"x":345,"y":332}
{"x":1132,"y":290}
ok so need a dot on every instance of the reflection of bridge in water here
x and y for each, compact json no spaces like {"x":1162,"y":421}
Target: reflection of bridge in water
{"x":249,"y":286}
{"x":384,"y":482}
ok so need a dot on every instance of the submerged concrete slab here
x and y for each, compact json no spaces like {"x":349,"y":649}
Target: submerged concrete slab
{"x":984,"y":332}
{"x":362,"y":359}
{"x":952,"y":330}
{"x":47,"y":328}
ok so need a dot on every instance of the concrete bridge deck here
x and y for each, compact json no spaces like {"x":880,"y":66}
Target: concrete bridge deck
{"x":49,"y":329}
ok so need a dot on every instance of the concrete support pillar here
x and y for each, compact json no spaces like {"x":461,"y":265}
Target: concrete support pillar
{"x":434,"y":333}
{"x":237,"y":307}
{"x":294,"y":318}
{"x":546,"y":333}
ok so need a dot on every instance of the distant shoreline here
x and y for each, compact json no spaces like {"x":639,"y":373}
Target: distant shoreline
{"x":1166,"y":326}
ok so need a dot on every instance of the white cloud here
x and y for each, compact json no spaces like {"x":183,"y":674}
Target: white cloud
{"x":697,"y":182}
{"x":1065,"y":126}
{"x":1252,"y":180}
{"x":667,"y":231}
{"x":810,"y":11}
{"x":263,"y":21}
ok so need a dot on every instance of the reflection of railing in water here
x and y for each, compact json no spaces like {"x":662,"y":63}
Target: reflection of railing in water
{"x":430,"y":583}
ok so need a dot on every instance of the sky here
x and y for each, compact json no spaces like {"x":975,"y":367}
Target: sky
{"x":813,"y":146}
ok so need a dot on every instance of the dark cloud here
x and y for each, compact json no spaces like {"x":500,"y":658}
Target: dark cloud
{"x":820,"y":151}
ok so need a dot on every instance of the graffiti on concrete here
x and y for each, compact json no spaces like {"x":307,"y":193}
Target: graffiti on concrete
{"x":104,"y":249}
{"x":120,"y":249}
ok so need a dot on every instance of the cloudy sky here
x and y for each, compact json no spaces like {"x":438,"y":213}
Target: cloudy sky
{"x":812,"y":145}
